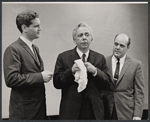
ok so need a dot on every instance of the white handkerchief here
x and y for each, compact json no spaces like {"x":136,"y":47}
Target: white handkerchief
{"x":81,"y":75}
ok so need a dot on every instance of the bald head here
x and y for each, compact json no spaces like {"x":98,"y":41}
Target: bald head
{"x":124,"y":37}
{"x":121,"y":45}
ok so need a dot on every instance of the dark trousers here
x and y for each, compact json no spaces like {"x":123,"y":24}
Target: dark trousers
{"x":86,"y":112}
{"x":114,"y":114}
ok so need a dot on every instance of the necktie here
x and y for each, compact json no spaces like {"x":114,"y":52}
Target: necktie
{"x":83,"y":58}
{"x":35,"y":54}
{"x":116,"y":76}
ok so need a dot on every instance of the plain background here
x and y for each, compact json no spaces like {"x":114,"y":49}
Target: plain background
{"x":58,"y":21}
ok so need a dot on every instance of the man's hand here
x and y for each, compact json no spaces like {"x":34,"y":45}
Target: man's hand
{"x":75,"y":68}
{"x":136,"y":118}
{"x":90,"y":68}
{"x":47,"y":76}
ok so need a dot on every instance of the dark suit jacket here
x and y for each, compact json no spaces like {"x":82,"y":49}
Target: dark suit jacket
{"x":128,"y":94}
{"x":64,"y":79}
{"x":23,"y":75}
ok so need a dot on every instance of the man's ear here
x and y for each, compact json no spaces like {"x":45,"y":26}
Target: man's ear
{"x":24,"y":28}
{"x":75,"y":41}
{"x":128,"y":46}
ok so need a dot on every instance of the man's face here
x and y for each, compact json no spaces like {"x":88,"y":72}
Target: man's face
{"x":120,"y":46}
{"x":33,"y":31}
{"x":83,"y":38}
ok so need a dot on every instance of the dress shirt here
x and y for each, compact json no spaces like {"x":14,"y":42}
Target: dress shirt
{"x":87,"y":55}
{"x":80,"y":54}
{"x":29,"y":43}
{"x":114,"y":61}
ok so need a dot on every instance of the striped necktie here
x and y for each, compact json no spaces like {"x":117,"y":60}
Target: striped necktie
{"x":35,"y":54}
{"x":83,"y":58}
{"x":116,"y":76}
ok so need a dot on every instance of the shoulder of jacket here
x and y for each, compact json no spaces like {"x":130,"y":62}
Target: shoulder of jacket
{"x":108,"y":57}
{"x":96,"y":53}
{"x":135,"y":61}
{"x":65,"y":52}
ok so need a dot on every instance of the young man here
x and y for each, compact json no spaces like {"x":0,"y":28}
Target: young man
{"x":24,"y":71}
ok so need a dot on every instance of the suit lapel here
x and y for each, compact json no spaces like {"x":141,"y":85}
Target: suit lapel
{"x":91,"y":57}
{"x":109,"y":65}
{"x":40,"y":60}
{"x":26,"y":47}
{"x":74,"y":55}
{"x":124,"y":68}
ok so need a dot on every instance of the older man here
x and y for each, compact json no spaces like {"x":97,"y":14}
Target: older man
{"x":84,"y":105}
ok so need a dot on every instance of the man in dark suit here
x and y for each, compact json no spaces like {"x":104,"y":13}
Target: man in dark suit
{"x":125,"y":96}
{"x":85,"y":105}
{"x":24,"y":71}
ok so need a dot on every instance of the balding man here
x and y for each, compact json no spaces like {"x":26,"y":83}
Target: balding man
{"x":125,"y":97}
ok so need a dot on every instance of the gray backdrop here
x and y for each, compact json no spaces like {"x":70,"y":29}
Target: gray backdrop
{"x":59,"y":20}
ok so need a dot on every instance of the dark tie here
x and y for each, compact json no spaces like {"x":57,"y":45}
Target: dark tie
{"x":83,"y":58}
{"x":116,"y":75}
{"x":35,"y":54}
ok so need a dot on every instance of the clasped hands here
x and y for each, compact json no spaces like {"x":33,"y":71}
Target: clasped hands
{"x":90,"y":68}
{"x":47,"y":76}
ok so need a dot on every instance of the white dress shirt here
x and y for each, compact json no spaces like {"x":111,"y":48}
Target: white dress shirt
{"x":86,"y":57}
{"x":29,"y":43}
{"x":114,"y":61}
{"x":80,"y":54}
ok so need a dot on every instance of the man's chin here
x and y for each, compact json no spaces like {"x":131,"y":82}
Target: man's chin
{"x":37,"y":36}
{"x":84,"y":46}
{"x":117,"y":55}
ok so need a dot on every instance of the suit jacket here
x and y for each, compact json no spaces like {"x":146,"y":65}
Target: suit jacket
{"x":128,"y":94}
{"x":23,"y":75}
{"x":63,"y":79}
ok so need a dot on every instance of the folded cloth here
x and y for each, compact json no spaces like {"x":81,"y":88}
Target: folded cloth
{"x":81,"y":75}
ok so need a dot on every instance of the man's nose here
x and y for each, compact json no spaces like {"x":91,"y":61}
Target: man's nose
{"x":40,"y":28}
{"x":118,"y":46}
{"x":84,"y":36}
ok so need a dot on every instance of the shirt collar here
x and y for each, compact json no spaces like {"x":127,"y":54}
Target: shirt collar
{"x":81,"y":53}
{"x":121,"y":59}
{"x":29,"y":43}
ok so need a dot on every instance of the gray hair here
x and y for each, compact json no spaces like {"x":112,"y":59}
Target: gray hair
{"x":81,"y":24}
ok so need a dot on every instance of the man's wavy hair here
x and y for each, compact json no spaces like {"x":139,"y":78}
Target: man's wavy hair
{"x":25,"y":17}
